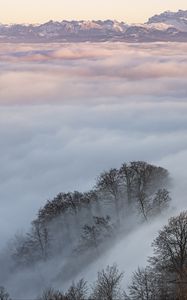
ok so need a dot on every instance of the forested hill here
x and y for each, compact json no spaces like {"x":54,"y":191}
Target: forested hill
{"x":86,"y":222}
{"x":74,"y":229}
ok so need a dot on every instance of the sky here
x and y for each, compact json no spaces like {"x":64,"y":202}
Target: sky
{"x":38,"y":11}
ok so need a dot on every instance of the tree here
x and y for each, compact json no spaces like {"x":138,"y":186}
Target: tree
{"x":141,"y":287}
{"x":170,"y":252}
{"x":107,"y":286}
{"x":109,"y":182}
{"x":22,"y":250}
{"x":127,"y":175}
{"x":51,"y":294}
{"x":77,"y":291}
{"x":32,"y":247}
{"x":96,"y":233}
{"x":153,"y":205}
{"x":40,"y":239}
{"x":4,"y":294}
{"x":147,"y":179}
{"x":161,"y":201}
{"x":146,"y":285}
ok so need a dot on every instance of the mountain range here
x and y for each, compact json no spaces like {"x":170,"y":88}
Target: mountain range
{"x":167,"y":26}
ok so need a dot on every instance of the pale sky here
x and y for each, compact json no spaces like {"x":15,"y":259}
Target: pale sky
{"x":36,"y":11}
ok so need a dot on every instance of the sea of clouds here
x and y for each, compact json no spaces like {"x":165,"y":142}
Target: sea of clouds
{"x":70,"y":111}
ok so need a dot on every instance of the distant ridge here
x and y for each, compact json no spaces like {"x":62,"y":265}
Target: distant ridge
{"x":167,"y":26}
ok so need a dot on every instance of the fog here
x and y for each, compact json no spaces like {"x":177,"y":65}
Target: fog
{"x":70,"y":111}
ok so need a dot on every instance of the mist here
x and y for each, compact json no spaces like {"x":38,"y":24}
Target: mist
{"x":70,"y":111}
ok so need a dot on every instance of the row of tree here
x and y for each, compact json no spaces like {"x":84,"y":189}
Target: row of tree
{"x":136,"y":185}
{"x":165,"y":278}
{"x":106,"y":287}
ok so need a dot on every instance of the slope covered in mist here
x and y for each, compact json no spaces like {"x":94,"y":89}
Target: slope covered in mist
{"x":75,"y":229}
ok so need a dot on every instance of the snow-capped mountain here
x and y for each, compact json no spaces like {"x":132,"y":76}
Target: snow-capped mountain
{"x":63,"y":31}
{"x":168,"y":26}
{"x":178,"y":20}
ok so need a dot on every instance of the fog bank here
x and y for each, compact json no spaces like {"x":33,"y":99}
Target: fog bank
{"x":68,"y":112}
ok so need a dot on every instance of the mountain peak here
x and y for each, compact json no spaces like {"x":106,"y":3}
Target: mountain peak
{"x":177,"y":19}
{"x":167,"y":26}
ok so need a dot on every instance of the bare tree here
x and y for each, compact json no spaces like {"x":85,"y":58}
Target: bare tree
{"x":51,"y":294}
{"x":147,"y":179}
{"x":107,"y":286}
{"x":96,"y":233}
{"x":39,"y":240}
{"x":127,"y":175}
{"x":149,"y":284}
{"x":109,"y":182}
{"x":77,"y":291}
{"x":4,"y":294}
{"x":143,"y":285}
{"x":161,"y":201}
{"x":170,"y":252}
{"x":22,"y":250}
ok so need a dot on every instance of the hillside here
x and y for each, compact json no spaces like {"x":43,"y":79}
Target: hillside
{"x":74,"y":230}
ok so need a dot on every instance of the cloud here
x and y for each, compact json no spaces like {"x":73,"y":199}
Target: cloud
{"x":63,"y":73}
{"x":66,"y":118}
{"x":68,"y":112}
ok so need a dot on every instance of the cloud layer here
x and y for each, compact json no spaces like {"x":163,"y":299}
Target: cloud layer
{"x":48,"y":74}
{"x":67,"y":112}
